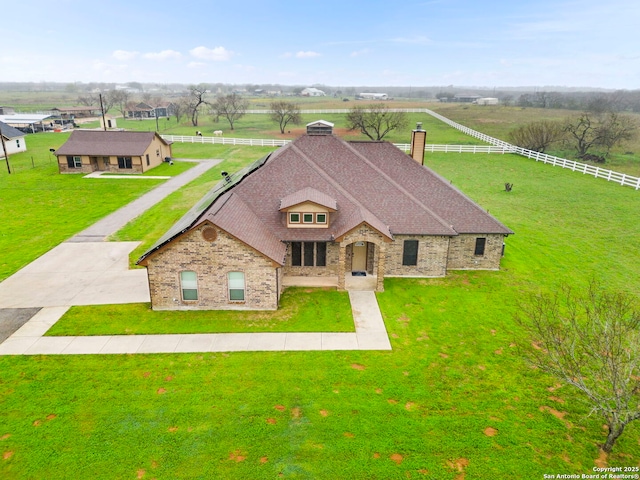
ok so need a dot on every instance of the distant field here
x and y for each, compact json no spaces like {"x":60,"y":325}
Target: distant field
{"x":498,"y":121}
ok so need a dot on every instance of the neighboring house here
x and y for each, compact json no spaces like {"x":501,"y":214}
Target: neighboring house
{"x":319,"y":207}
{"x":466,"y":98}
{"x":14,"y":141}
{"x":70,"y":113}
{"x":144,"y":110}
{"x":312,"y":92}
{"x":113,"y":151}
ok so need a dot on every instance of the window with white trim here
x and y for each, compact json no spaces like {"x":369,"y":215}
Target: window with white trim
{"x":189,"y":285}
{"x":74,"y":161}
{"x":236,"y":286}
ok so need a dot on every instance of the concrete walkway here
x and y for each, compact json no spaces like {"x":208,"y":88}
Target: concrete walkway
{"x":109,"y":225}
{"x":370,"y":334}
{"x":86,"y":270}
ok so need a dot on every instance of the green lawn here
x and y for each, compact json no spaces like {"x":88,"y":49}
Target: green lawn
{"x":301,"y":310}
{"x":452,"y":400}
{"x":40,"y":208}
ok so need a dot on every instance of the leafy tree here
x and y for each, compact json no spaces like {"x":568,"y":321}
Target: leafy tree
{"x":284,"y":112}
{"x":591,"y":341}
{"x":537,"y":136}
{"x":232,"y":107}
{"x":375,"y":121}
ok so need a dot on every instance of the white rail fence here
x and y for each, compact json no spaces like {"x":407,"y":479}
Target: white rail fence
{"x":495,"y":146}
{"x":598,"y":172}
{"x":257,"y":142}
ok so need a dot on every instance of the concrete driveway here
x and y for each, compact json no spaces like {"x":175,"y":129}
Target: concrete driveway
{"x":92,"y":273}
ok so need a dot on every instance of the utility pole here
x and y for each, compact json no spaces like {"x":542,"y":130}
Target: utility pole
{"x":104,"y":122}
{"x":4,"y":149}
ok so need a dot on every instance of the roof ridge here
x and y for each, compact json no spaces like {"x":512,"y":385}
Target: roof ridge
{"x":330,"y":179}
{"x":400,"y":187}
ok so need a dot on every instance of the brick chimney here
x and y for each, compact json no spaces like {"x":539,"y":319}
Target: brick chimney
{"x":418,"y":142}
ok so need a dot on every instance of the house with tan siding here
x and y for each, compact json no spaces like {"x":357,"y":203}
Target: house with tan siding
{"x":319,"y":207}
{"x":88,"y":151}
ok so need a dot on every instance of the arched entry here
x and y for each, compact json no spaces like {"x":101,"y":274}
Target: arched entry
{"x":362,"y":257}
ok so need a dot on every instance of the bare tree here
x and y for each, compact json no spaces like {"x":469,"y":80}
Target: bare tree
{"x":589,"y":131}
{"x":232,"y":107}
{"x":284,"y":112}
{"x":375,"y":121}
{"x":590,"y":341}
{"x":537,"y":136}
{"x":120,"y":99}
{"x":180,"y":107}
{"x":89,"y":100}
{"x":197,"y":94}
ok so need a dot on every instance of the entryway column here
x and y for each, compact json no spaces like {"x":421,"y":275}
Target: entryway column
{"x":342,"y":260}
{"x":380,"y":272}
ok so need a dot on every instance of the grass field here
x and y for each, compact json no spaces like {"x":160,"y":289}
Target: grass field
{"x":498,"y":121}
{"x":452,"y":400}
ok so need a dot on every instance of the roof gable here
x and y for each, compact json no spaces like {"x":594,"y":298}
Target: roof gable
{"x":308,"y":194}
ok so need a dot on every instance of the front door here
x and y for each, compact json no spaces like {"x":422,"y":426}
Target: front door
{"x":359,"y":262}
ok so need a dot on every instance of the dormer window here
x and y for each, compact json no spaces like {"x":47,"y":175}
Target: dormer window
{"x":308,"y":208}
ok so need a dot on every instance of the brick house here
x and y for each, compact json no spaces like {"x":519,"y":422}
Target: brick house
{"x":319,"y":207}
{"x":88,"y":151}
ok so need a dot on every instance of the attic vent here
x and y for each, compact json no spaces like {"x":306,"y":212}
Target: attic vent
{"x":320,"y":127}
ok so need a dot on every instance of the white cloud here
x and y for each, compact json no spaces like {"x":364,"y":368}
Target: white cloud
{"x":359,"y":53}
{"x":163,"y":55}
{"x":124,"y":55}
{"x":307,"y":54}
{"x":196,"y":64}
{"x":217,"y":54}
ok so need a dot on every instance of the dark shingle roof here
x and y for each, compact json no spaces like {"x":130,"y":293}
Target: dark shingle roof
{"x":101,"y":143}
{"x":10,"y":132}
{"x":368,"y":182}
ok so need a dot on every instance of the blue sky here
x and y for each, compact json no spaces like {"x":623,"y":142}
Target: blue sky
{"x":492,"y":43}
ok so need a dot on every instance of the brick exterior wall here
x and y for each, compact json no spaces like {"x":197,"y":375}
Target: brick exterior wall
{"x":461,"y":252}
{"x":212,"y":261}
{"x":432,"y":256}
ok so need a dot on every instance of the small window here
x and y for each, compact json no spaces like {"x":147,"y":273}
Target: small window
{"x":236,"y":286}
{"x":480,"y":244}
{"x":296,"y":254}
{"x":124,"y":162}
{"x":410,"y":253}
{"x":321,"y":254}
{"x":157,"y":153}
{"x":294,"y":218}
{"x":308,"y":254}
{"x":148,"y":163}
{"x":74,"y":162}
{"x":307,"y":217}
{"x":18,"y":142}
{"x":321,"y":218}
{"x":189,"y":285}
